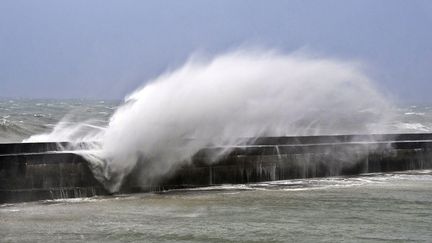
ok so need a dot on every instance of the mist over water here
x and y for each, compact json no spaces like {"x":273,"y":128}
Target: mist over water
{"x":216,"y":101}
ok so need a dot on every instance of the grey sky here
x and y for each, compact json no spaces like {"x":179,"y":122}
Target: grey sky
{"x":105,"y":49}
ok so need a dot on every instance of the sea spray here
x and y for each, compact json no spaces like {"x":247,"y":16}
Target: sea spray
{"x":219,"y":100}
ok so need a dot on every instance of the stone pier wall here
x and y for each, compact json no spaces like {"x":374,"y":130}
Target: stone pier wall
{"x":237,"y":169}
{"x":29,"y":177}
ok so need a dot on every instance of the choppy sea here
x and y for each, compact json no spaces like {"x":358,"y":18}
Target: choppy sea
{"x":394,"y":207}
{"x":21,"y":118}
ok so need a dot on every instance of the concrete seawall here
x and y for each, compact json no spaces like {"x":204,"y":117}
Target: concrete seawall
{"x":35,"y":171}
{"x":247,"y":164}
{"x":37,"y":176}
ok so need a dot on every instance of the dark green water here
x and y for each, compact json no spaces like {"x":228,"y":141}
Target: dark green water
{"x":393,"y":207}
{"x":22,"y":118}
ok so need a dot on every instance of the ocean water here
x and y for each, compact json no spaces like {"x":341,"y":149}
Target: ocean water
{"x":395,"y":207}
{"x":392,"y":207}
{"x":22,"y":118}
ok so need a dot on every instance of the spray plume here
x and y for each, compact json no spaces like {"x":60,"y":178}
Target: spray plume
{"x":235,"y":95}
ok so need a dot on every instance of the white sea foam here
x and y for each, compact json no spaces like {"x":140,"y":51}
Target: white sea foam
{"x":325,"y":183}
{"x":404,"y":126}
{"x":415,"y":113}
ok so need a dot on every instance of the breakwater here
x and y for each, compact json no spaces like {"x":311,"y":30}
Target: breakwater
{"x":34,"y":171}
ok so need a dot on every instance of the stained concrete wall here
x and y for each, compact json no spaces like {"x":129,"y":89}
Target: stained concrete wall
{"x":267,"y":163}
{"x":255,"y":168}
{"x":45,"y":176}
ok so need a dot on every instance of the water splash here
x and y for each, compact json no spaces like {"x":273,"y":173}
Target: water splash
{"x":235,"y":95}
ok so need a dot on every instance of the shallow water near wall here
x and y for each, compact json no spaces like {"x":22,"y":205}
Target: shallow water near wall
{"x":366,"y":208}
